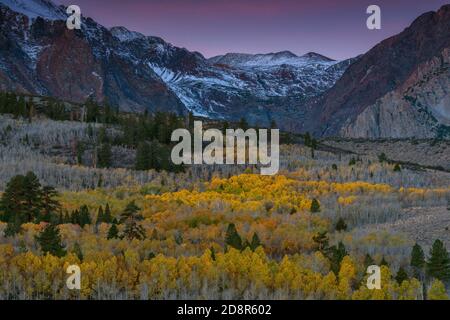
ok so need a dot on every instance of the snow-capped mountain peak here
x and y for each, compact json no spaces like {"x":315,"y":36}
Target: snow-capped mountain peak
{"x":316,"y":56}
{"x":36,"y":8}
{"x":244,"y":60}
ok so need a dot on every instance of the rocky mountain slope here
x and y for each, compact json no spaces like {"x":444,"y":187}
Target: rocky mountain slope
{"x":39,"y":55}
{"x":399,"y":89}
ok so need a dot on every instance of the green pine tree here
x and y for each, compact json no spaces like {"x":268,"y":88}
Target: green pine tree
{"x":131,"y":218}
{"x":144,"y":156}
{"x":418,"y":261}
{"x":100,"y":216}
{"x":321,"y":240}
{"x":13,"y":227}
{"x":438,"y":265}
{"x":77,"y":251}
{"x":213,"y":254}
{"x":336,"y":255}
{"x":341,"y":225}
{"x":50,"y":206}
{"x":107,"y":216}
{"x":113,"y":232}
{"x":22,"y":199}
{"x":49,"y":240}
{"x":104,"y":156}
{"x":401,"y":275}
{"x":315,"y":206}
{"x":368,"y":261}
{"x":255,"y":243}
{"x":232,"y":237}
{"x":84,"y":217}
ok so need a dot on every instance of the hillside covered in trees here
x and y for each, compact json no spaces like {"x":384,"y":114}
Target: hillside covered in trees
{"x":90,"y":186}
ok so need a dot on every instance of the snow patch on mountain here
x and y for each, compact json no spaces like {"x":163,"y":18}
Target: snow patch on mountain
{"x":244,"y":60}
{"x":36,"y":8}
{"x":124,"y":35}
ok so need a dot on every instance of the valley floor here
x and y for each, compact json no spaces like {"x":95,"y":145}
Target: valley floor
{"x":224,"y":232}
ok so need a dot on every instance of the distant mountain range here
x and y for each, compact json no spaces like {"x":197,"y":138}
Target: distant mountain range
{"x":398,"y":89}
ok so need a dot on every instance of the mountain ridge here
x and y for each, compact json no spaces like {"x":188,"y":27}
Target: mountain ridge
{"x":138,"y":72}
{"x":397,"y":89}
{"x":384,"y":72}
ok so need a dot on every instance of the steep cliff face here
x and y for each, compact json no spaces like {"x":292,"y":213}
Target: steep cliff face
{"x":397,"y":89}
{"x":418,"y":108}
{"x":41,"y":56}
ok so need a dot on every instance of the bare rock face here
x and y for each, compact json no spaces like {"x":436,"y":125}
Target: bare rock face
{"x":400,"y":88}
{"x":41,"y":56}
{"x":418,"y":108}
{"x":69,"y":70}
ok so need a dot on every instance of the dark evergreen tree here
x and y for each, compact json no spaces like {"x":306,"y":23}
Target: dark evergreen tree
{"x":49,"y":240}
{"x":368,"y":261}
{"x":131,"y":218}
{"x":84,"y":216}
{"x":77,"y":251}
{"x":336,"y":255}
{"x":67,"y":218}
{"x":80,"y":148}
{"x":100,"y":216}
{"x":13,"y":200}
{"x":107,"y":217}
{"x":144,"y":156}
{"x":383,"y":262}
{"x":341,"y":225}
{"x":51,"y":208}
{"x":14,"y":226}
{"x":33,"y":196}
{"x":75,"y":217}
{"x":401,"y":276}
{"x":213,"y":254}
{"x":232,"y":237}
{"x":113,"y":232}
{"x":418,"y":261}
{"x":382,"y":158}
{"x":315,"y":206}
{"x":438,"y":265}
{"x":22,"y":198}
{"x":255,"y":242}
{"x":60,"y":218}
{"x":321,"y":240}
{"x":104,"y":156}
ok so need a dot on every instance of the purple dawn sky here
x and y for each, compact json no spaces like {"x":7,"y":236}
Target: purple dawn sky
{"x":214,"y":27}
